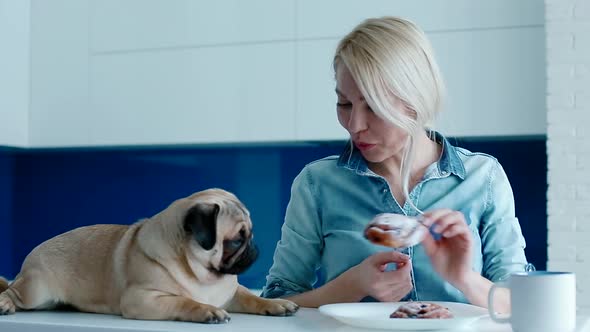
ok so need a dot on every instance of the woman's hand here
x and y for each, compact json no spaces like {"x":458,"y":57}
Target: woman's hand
{"x":451,"y":254}
{"x":368,"y":278}
{"x":386,"y":286}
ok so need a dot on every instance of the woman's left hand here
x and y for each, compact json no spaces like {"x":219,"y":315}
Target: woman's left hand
{"x":451,"y":254}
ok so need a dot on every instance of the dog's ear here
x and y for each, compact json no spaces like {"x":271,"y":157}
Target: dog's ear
{"x":201,"y":222}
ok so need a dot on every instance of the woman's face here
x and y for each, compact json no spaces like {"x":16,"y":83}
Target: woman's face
{"x":376,"y":138}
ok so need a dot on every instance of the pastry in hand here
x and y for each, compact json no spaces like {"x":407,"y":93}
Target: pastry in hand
{"x":421,"y":310}
{"x":395,"y":230}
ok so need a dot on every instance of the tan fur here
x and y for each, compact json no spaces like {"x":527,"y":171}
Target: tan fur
{"x":149,"y":270}
{"x":3,"y":284}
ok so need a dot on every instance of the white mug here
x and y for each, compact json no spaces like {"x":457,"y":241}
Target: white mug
{"x":540,"y":301}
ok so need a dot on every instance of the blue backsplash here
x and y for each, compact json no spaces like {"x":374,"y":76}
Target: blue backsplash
{"x":45,"y":192}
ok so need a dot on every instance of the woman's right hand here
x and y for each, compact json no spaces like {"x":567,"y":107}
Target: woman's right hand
{"x":386,"y":286}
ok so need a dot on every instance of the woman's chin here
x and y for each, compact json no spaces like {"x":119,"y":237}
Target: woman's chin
{"x":372,"y":157}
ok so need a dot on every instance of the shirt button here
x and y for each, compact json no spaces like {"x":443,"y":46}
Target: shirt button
{"x":385,"y":190}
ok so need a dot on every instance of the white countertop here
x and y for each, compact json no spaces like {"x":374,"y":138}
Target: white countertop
{"x":304,"y":320}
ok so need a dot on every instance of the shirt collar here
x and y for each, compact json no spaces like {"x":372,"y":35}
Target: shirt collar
{"x":449,"y":161}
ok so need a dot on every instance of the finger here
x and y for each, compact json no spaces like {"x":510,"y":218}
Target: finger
{"x":441,"y":225}
{"x":395,"y":292}
{"x":456,"y":230}
{"x":448,"y":220}
{"x":429,"y":245}
{"x":402,"y":267}
{"x":461,"y":236}
{"x":400,"y":270}
{"x":398,"y":257}
{"x":431,"y":216}
{"x":385,"y":257}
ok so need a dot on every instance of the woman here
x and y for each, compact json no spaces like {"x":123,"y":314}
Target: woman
{"x":389,"y":90}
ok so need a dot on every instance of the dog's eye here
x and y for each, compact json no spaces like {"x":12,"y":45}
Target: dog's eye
{"x":234,"y":244}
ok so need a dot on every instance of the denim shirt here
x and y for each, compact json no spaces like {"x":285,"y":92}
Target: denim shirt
{"x":334,"y":198}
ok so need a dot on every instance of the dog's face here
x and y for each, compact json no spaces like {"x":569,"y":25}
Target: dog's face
{"x":218,"y":232}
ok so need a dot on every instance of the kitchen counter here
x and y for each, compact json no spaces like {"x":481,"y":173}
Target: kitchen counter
{"x":304,"y":320}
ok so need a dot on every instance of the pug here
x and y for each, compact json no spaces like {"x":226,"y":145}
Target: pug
{"x":181,"y":264}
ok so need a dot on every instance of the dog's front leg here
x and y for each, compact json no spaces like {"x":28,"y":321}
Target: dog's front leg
{"x":246,"y":302}
{"x":139,"y":303}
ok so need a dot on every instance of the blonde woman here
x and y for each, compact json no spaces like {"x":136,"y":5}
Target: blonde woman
{"x":389,"y":90}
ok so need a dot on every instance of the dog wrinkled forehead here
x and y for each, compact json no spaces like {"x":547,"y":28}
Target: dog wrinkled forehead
{"x":228,"y":203}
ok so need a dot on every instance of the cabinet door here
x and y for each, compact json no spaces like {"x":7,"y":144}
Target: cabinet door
{"x":109,"y":72}
{"x":14,"y":69}
{"x":140,"y":25}
{"x":59,"y":73}
{"x":223,"y":94}
{"x":491,"y":54}
{"x":165,"y":72}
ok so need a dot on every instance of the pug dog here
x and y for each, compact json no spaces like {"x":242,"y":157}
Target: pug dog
{"x":181,"y":264}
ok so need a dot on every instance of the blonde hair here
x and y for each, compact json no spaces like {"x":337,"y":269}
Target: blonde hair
{"x":389,"y":58}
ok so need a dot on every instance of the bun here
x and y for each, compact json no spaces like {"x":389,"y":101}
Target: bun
{"x":395,"y":230}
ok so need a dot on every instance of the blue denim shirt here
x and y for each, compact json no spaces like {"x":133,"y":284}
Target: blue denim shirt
{"x":333,"y":199}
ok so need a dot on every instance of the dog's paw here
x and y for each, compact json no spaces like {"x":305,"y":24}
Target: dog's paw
{"x":213,"y":315}
{"x":7,"y":307}
{"x":278,"y":307}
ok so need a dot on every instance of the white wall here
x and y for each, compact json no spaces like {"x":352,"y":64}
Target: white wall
{"x":14,"y":72}
{"x":59,"y":73}
{"x":111,"y":72}
{"x":491,"y":54}
{"x":568,"y":145}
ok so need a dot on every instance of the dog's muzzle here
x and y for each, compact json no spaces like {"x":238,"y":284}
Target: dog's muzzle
{"x":241,"y":260}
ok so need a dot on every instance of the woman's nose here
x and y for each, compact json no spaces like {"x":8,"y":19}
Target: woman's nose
{"x":357,"y":121}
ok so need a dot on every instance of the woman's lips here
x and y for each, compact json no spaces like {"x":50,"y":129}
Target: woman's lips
{"x":364,"y":146}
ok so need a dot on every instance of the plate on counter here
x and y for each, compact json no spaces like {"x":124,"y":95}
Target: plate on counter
{"x":376,"y":316}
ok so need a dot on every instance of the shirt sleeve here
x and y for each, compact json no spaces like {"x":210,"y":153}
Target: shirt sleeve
{"x":502,"y":241}
{"x":297,"y":255}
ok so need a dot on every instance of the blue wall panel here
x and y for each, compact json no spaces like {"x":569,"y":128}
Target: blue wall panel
{"x":6,"y":193}
{"x":45,"y":192}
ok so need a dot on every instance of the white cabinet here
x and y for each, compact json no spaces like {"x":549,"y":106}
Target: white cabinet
{"x":316,"y":99}
{"x":491,"y":54}
{"x":108,"y":72}
{"x":14,"y":73}
{"x":112,"y":72}
{"x":495,"y":80}
{"x":59,"y":73}
{"x":334,"y":18}
{"x":223,"y":94}
{"x":151,"y":25}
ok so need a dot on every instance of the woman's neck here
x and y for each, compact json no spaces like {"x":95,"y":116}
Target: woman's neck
{"x":426,"y":152}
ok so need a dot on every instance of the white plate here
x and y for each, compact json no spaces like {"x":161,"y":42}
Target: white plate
{"x":376,"y":315}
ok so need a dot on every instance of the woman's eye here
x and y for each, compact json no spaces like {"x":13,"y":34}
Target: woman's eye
{"x":343,"y":105}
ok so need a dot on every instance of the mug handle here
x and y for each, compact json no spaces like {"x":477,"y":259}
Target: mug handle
{"x":491,"y":310}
